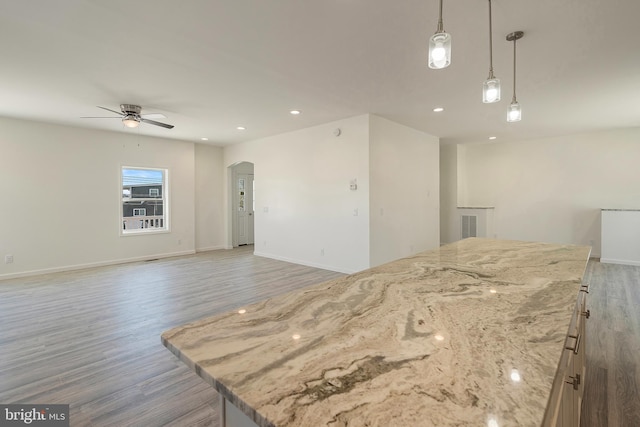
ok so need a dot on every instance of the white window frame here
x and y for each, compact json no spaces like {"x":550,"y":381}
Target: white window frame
{"x":165,"y":203}
{"x":154,"y":192}
{"x":136,"y":211}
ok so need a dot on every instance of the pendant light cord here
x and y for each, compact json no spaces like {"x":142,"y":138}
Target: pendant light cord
{"x":513,"y":100}
{"x":440,"y":26}
{"x":490,"y":44}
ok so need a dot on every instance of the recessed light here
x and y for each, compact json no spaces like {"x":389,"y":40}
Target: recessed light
{"x":242,"y":311}
{"x":241,"y":128}
{"x":438,"y":109}
{"x":492,"y":137}
{"x":295,"y":112}
{"x":296,"y":336}
{"x":204,"y":139}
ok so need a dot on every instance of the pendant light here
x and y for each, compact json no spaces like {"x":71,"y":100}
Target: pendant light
{"x":440,"y":46}
{"x":491,"y":86}
{"x":514,"y":114}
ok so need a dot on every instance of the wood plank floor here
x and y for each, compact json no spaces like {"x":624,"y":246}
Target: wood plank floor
{"x":91,"y":338}
{"x":613,"y":347}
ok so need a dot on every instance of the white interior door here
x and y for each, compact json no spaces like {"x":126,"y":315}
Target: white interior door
{"x":251,"y":198}
{"x":244,"y":208}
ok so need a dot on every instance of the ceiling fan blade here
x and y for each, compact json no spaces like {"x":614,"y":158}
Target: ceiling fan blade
{"x":153,"y":116}
{"x":153,"y":122}
{"x":85,"y":117}
{"x":113,"y":111}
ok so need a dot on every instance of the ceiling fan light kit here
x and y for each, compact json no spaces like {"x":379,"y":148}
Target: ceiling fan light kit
{"x":130,"y":121}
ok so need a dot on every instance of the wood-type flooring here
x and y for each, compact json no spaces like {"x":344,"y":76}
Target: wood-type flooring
{"x":612,"y":388}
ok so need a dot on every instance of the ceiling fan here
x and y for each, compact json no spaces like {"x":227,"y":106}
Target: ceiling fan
{"x":131,"y":116}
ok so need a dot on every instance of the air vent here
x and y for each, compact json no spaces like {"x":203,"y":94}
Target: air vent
{"x":469,"y":226}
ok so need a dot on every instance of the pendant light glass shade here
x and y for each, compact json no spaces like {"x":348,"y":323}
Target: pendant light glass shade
{"x":440,"y":46}
{"x":514,"y":114}
{"x":491,"y":86}
{"x":439,"y":51}
{"x":491,"y":90}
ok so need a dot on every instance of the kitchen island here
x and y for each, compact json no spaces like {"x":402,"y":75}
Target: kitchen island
{"x":470,"y":334}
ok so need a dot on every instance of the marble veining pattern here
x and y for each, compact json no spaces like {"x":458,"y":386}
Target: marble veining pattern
{"x":466,"y":335}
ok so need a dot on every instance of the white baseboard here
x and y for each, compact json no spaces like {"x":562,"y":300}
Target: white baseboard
{"x":92,"y":265}
{"x":211,"y":248}
{"x":303,"y":262}
{"x":619,"y":261}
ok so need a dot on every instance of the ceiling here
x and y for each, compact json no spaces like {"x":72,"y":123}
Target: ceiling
{"x":212,"y":65}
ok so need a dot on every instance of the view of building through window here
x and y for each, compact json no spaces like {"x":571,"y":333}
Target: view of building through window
{"x":144,"y":200}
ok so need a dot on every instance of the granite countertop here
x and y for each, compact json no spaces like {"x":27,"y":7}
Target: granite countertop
{"x":622,"y":210}
{"x":469,"y":334}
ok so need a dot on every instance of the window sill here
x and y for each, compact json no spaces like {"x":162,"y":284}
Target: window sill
{"x":143,"y":232}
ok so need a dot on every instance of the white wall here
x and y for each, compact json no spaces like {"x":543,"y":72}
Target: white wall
{"x":302,"y":178}
{"x":60,"y":196}
{"x":209,"y":214}
{"x":404,"y":191}
{"x":552,"y":189}
{"x":448,"y":193}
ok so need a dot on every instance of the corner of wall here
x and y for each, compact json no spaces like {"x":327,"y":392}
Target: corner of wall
{"x":404,"y":196}
{"x":448,"y":192}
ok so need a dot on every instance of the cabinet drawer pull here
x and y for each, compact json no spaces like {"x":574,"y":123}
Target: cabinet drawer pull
{"x":584,"y":288}
{"x":577,"y":345}
{"x":586,"y":314}
{"x":575,"y":382}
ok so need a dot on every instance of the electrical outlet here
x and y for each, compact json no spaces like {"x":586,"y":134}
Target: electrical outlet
{"x":8,"y":259}
{"x":322,"y":252}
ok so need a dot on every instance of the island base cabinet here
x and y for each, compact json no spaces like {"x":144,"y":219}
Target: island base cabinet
{"x":572,"y":369}
{"x":231,"y":416}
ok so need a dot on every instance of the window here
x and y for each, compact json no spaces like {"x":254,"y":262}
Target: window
{"x":144,"y":200}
